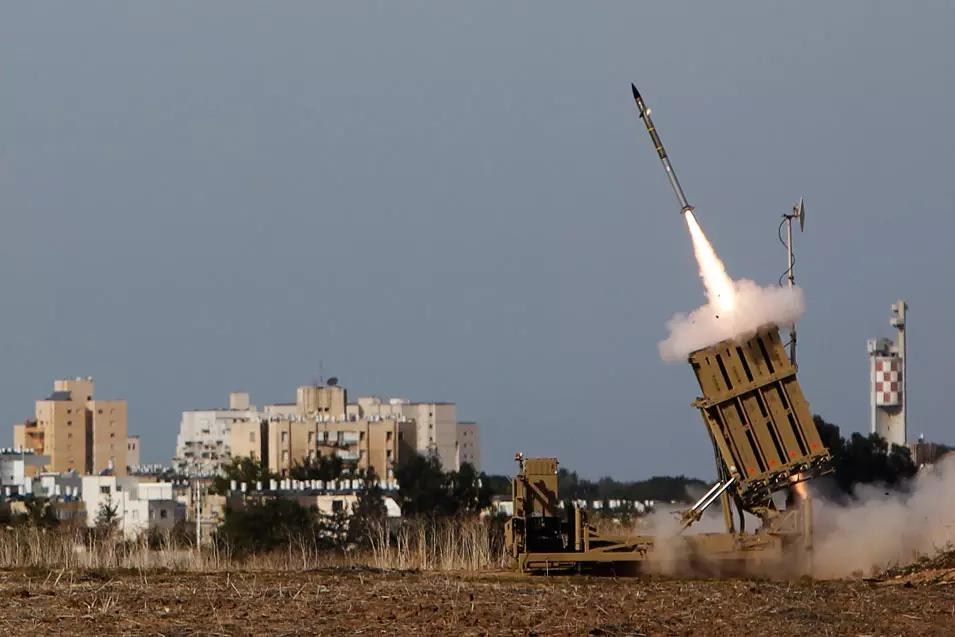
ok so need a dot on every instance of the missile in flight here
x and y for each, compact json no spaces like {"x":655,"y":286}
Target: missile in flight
{"x":645,"y":116}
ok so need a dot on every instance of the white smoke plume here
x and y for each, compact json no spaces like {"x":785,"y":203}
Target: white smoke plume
{"x":753,"y":307}
{"x":881,"y":530}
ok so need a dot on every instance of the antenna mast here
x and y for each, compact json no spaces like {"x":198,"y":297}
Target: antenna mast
{"x":799,"y":212}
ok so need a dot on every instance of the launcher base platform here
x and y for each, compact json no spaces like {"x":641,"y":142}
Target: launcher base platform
{"x":765,"y":443}
{"x":545,"y":537}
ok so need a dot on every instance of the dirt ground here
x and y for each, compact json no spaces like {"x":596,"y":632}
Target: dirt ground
{"x":917,"y":602}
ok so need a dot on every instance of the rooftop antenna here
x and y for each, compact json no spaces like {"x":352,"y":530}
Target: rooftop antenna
{"x":799,"y":212}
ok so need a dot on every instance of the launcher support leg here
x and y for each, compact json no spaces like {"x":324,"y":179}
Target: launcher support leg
{"x":727,"y":512}
{"x":806,"y":506}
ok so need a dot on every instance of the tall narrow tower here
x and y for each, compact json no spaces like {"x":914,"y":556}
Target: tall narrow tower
{"x":887,"y":381}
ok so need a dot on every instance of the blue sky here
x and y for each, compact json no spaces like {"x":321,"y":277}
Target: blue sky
{"x":457,"y":202}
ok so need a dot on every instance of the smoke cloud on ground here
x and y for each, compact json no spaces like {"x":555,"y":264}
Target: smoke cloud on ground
{"x":673,"y":554}
{"x":754,"y":307}
{"x":883,"y":529}
{"x":878,"y":530}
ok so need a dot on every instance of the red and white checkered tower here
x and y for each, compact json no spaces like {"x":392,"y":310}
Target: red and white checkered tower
{"x":887,"y":377}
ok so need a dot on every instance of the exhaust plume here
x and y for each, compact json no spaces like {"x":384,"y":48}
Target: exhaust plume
{"x":735,"y":309}
{"x":719,"y":286}
{"x":880,"y":530}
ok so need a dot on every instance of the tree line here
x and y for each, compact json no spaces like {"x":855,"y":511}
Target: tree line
{"x":426,"y":490}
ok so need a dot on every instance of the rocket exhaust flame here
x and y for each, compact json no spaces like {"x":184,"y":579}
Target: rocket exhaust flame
{"x":720,"y":289}
{"x":799,"y":486}
{"x":735,"y":309}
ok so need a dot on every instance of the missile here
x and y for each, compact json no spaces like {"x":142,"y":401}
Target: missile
{"x":645,"y":116}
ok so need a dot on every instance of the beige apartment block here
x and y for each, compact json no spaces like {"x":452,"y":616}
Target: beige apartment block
{"x":77,"y":432}
{"x":437,"y":429}
{"x":247,"y":439}
{"x":361,"y":444}
{"x":322,"y":399}
{"x":108,"y":449}
{"x":469,"y":445}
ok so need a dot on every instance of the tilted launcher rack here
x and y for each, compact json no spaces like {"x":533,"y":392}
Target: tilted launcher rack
{"x":765,"y":442}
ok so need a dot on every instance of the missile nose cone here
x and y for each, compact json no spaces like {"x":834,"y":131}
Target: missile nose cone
{"x":636,"y":93}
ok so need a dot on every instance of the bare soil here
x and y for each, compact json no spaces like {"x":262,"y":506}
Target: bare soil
{"x":345,"y":602}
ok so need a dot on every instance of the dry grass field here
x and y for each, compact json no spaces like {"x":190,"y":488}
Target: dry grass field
{"x":432,"y":581}
{"x":351,"y":601}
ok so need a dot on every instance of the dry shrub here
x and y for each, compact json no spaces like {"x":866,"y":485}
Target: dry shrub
{"x":429,"y":545}
{"x":440,"y":544}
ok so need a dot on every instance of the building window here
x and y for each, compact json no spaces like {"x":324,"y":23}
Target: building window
{"x":251,"y":436}
{"x":388,"y":436}
{"x":99,"y":411}
{"x":69,"y":435}
{"x":163,"y":513}
{"x":135,"y":515}
{"x":401,"y":435}
{"x":338,"y":506}
{"x":285,"y":455}
{"x":112,"y":435}
{"x":69,"y":422}
{"x":361,"y":436}
{"x":103,"y":489}
{"x":310,"y":436}
{"x":119,"y":488}
{"x":69,"y":411}
{"x":284,"y":435}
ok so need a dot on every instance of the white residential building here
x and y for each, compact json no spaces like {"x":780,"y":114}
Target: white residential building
{"x":138,"y":506}
{"x":141,"y":515}
{"x":66,"y":486}
{"x":204,"y":442}
{"x":13,"y":469}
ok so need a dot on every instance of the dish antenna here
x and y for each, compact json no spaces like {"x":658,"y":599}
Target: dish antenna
{"x":800,"y":211}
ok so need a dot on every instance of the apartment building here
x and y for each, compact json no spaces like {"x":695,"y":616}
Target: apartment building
{"x":368,"y":433}
{"x":206,"y":437}
{"x":377,"y":443}
{"x":137,"y":507}
{"x":437,"y":429}
{"x":77,"y":432}
{"x":15,"y":465}
{"x":204,"y":441}
{"x":133,"y":458}
{"x":468,"y":444}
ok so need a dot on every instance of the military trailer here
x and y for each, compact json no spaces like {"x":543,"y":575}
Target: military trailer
{"x":765,"y":444}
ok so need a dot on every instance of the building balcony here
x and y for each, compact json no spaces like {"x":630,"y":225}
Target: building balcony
{"x":347,"y":456}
